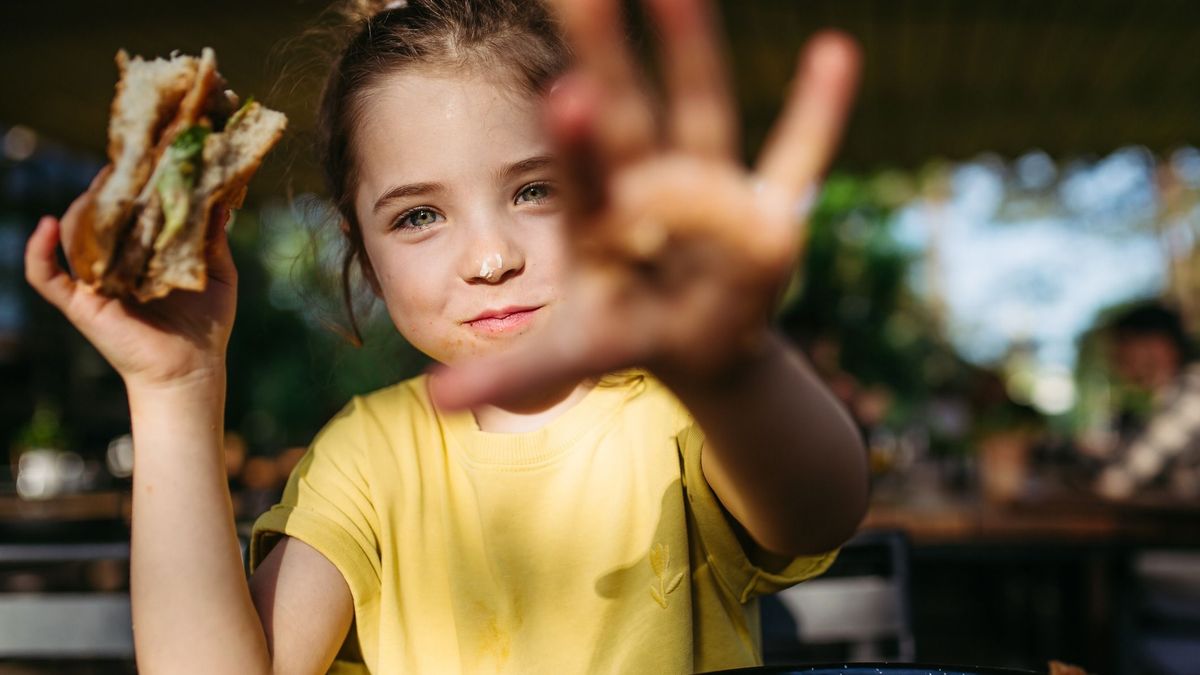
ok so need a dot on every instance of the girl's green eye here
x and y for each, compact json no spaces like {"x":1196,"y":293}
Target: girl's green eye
{"x":416,"y":219}
{"x":536,"y":193}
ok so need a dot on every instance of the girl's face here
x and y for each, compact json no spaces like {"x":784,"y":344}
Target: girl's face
{"x":461,"y":217}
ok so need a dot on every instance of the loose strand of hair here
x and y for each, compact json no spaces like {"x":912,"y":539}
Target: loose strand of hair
{"x":355,"y":335}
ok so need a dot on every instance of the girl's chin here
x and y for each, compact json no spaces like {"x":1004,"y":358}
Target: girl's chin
{"x":479,"y":346}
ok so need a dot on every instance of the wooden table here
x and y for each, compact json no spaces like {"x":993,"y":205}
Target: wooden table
{"x":1060,"y":517}
{"x":89,"y":506}
{"x":1058,"y":548}
{"x":96,"y":517}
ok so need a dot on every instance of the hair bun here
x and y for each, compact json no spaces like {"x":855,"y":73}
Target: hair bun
{"x":365,"y":10}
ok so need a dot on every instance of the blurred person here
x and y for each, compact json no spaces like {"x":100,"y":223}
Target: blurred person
{"x":1151,"y":353}
{"x":261,"y":487}
{"x":872,"y":406}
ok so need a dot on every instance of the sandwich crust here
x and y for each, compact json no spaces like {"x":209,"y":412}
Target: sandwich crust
{"x":147,"y":95}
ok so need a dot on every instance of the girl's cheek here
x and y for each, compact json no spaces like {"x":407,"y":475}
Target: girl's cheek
{"x":411,"y":266}
{"x":547,"y":240}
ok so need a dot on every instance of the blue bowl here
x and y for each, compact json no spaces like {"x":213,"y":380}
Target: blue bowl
{"x":877,"y":669}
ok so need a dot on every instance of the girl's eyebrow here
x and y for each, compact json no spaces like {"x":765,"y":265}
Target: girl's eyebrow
{"x":402,"y":191}
{"x":525,"y":165}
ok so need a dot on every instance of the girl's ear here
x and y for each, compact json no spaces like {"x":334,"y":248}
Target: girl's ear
{"x":344,"y":225}
{"x":368,"y":273}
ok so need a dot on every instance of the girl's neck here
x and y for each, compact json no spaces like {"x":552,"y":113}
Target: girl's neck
{"x":533,"y":414}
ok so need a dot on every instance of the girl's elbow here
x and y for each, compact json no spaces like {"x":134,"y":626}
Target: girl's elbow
{"x":816,"y":541}
{"x":827,"y":530}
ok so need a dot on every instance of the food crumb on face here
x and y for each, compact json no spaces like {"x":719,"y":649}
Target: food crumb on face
{"x":490,"y":265}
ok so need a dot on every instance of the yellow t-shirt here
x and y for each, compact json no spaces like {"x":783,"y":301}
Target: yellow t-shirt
{"x":592,"y":545}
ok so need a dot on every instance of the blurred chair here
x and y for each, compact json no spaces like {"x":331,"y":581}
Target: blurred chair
{"x":73,"y":625}
{"x":1166,"y":633}
{"x":859,"y":610}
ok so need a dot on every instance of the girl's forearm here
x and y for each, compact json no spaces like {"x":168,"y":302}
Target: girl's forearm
{"x":192,"y":610}
{"x":781,"y":453}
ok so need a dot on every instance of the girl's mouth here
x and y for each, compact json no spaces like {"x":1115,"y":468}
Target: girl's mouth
{"x":496,"y":322}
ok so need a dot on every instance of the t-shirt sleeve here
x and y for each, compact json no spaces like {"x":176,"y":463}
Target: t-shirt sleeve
{"x":725,"y":554}
{"x":327,"y":504}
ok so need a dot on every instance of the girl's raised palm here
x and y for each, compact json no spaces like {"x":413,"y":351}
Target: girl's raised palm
{"x":159,"y":343}
{"x":679,"y":252}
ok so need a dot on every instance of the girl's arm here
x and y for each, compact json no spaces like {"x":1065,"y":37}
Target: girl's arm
{"x":305,"y":607}
{"x":192,"y":607}
{"x":781,"y":453}
{"x":191,"y":604}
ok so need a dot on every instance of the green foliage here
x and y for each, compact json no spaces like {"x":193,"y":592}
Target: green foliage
{"x":853,"y":293}
{"x":854,"y":290}
{"x":45,"y":429}
{"x":291,"y":362}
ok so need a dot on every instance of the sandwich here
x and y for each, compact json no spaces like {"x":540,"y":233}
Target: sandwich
{"x":180,"y":145}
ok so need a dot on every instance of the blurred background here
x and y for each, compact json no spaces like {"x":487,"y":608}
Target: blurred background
{"x":1001,"y":284}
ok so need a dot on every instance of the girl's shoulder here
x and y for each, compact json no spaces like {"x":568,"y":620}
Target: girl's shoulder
{"x":367,"y":415}
{"x":648,"y":401}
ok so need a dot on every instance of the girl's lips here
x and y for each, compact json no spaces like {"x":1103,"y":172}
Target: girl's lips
{"x":495,"y":325}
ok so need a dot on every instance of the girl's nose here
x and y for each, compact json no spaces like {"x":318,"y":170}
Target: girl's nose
{"x":491,"y":254}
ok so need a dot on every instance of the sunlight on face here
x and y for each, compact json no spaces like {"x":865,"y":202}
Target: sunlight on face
{"x":460,"y":211}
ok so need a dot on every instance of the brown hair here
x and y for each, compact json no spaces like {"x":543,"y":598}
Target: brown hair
{"x":514,"y":37}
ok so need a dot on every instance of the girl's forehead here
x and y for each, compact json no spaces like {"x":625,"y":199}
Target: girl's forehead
{"x":436,"y":126}
{"x":423,"y":100}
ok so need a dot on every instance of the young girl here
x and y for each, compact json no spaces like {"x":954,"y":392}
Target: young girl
{"x":533,"y":228}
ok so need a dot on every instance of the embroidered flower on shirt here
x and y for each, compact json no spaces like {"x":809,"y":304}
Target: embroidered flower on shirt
{"x":660,"y":562}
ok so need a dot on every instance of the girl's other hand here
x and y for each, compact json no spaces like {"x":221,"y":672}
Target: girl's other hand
{"x":164,"y":342}
{"x":679,"y":252}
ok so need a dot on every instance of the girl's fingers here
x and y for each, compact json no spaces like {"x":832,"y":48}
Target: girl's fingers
{"x":571,"y":347}
{"x":100,"y":177}
{"x":514,"y":378}
{"x":569,"y":114}
{"x":701,"y":117}
{"x":41,"y":266}
{"x":219,"y":257}
{"x":670,"y":202}
{"x":623,"y":124}
{"x":70,"y":219}
{"x":803,"y":141}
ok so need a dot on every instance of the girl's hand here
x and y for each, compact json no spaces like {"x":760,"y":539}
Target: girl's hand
{"x":159,"y":343}
{"x":679,"y":251}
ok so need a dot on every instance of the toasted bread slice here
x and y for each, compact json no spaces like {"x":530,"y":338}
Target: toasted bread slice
{"x":148,"y":94}
{"x":230,"y":159}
